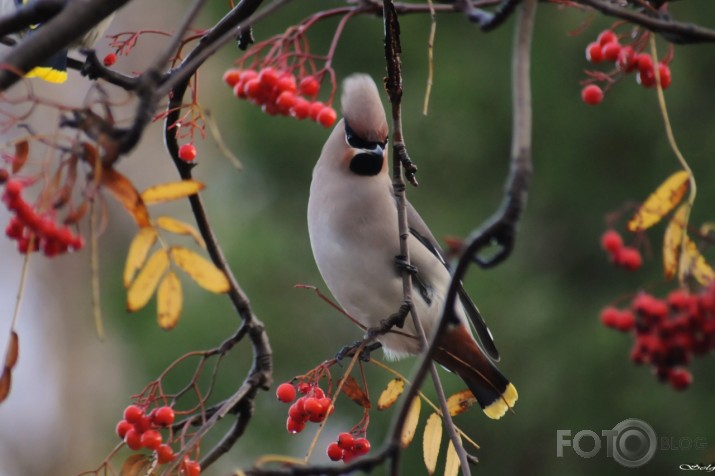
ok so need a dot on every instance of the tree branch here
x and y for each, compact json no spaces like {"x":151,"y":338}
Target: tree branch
{"x":66,"y":27}
{"x":501,"y":228}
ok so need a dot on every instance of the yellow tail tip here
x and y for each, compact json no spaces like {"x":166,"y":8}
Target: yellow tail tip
{"x":48,"y":74}
{"x":499,"y":407}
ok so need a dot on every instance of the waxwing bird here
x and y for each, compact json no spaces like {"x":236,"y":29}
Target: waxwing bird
{"x":54,"y":69}
{"x":352,"y":222}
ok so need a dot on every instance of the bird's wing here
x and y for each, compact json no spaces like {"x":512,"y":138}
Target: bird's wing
{"x":422,"y":233}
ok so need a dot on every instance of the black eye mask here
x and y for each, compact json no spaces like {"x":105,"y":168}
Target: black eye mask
{"x":356,"y":142}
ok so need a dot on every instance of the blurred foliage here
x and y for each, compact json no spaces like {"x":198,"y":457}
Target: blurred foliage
{"x":542,"y":304}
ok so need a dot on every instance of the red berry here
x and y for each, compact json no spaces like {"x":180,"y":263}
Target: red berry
{"x":646,"y":78}
{"x":314,"y":409}
{"x":361,"y":446}
{"x":327,"y":405}
{"x":626,"y":321}
{"x":611,"y":241}
{"x":327,"y":117}
{"x":13,"y":188}
{"x":133,"y":439}
{"x":626,"y":59}
{"x":297,"y":412}
{"x":286,"y":100}
{"x":679,"y":299}
{"x":187,"y":152}
{"x":644,"y":62}
{"x":252,"y":88}
{"x":609,"y":316}
{"x":309,"y":86}
{"x":680,"y":379}
{"x":191,"y":468}
{"x":164,"y":454}
{"x":143,"y":424}
{"x":318,"y":392}
{"x":648,"y":305}
{"x":301,"y":109}
{"x":163,"y":416}
{"x":231,"y":77}
{"x":294,"y":426}
{"x":629,"y":258}
{"x":123,"y":427}
{"x":592,"y":94}
{"x":110,"y":59}
{"x":345,"y":441}
{"x":286,"y":392}
{"x":268,"y":77}
{"x":606,"y":36}
{"x":151,"y":439}
{"x":335,"y":452}
{"x":664,"y":73}
{"x":15,"y":228}
{"x":286,"y":83}
{"x":315,"y":108}
{"x":303,"y":388}
{"x":348,"y":456}
{"x":133,"y":414}
{"x":611,"y":51}
{"x":594,"y":53}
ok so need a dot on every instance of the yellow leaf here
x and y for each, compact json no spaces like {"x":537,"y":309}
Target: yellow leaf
{"x":460,"y":402}
{"x":432,"y":441}
{"x":413,"y":417}
{"x":659,"y":203}
{"x":451,"y":466}
{"x":169,"y":299}
{"x":201,"y":270}
{"x":171,"y":191}
{"x":179,"y":227}
{"x":138,"y":251}
{"x":389,"y":396}
{"x":692,"y":263}
{"x":673,"y":240}
{"x":144,"y":285}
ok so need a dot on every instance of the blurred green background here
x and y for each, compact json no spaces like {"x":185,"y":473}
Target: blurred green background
{"x":542,"y":304}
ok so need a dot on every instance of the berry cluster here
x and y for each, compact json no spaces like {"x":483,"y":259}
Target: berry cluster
{"x":626,"y":257}
{"x":347,"y":447}
{"x":278,"y":92}
{"x":313,"y":406}
{"x":668,"y":332}
{"x":33,"y":231}
{"x":141,"y":430}
{"x":607,"y":48}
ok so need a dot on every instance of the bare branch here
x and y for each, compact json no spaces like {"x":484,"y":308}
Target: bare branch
{"x":69,"y":25}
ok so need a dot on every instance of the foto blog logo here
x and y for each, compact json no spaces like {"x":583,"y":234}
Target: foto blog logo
{"x":631,"y":443}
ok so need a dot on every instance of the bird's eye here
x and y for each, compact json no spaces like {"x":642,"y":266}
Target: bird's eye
{"x":356,"y":142}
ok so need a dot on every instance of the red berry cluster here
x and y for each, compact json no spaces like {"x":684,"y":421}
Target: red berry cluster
{"x":278,"y":92}
{"x":347,"y":447}
{"x":626,"y":257}
{"x":141,"y":430}
{"x":313,"y":406}
{"x":34,"y":231}
{"x":668,"y":332}
{"x":607,"y":48}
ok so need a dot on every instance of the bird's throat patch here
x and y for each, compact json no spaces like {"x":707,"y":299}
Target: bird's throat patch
{"x":367,"y":164}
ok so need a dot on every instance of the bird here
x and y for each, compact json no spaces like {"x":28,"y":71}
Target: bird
{"x":54,"y":69}
{"x":354,"y":237}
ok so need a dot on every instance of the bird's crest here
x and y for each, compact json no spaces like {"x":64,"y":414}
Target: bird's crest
{"x":362,"y":108}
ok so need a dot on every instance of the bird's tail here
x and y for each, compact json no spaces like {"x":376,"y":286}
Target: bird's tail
{"x":54,"y":70}
{"x":457,"y":351}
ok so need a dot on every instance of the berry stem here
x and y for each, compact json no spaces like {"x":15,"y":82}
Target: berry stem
{"x":675,"y":148}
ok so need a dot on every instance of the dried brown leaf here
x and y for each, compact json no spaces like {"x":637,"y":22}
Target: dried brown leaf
{"x":354,"y":392}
